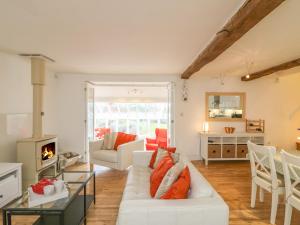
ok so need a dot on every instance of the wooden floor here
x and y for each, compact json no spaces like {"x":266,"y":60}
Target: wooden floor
{"x":230,"y":179}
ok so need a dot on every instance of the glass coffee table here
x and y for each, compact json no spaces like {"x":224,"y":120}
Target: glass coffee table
{"x":66,"y":211}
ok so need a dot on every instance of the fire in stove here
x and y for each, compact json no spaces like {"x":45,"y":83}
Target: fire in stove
{"x":48,"y":151}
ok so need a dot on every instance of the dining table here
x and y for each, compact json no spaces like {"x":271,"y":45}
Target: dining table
{"x":278,"y":161}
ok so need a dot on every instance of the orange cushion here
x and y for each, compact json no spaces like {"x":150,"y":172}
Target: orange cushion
{"x":180,"y":188}
{"x":123,"y":138}
{"x":170,"y":149}
{"x":153,"y":157}
{"x":158,"y":174}
{"x":154,"y":154}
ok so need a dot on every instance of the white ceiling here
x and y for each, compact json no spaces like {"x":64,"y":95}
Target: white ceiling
{"x":144,"y":37}
{"x":113,"y":36}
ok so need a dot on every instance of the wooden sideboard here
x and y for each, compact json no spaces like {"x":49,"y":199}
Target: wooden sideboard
{"x":222,"y":146}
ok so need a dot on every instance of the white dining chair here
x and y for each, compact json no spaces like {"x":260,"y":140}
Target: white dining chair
{"x":291,"y":165}
{"x":264,"y":175}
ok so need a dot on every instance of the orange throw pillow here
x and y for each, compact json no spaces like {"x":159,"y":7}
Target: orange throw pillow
{"x":180,"y":188}
{"x":170,"y":149}
{"x":123,"y":138}
{"x":158,"y":174}
{"x":154,"y":154}
{"x":153,"y":158}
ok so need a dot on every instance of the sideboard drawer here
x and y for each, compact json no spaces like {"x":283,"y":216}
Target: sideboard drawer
{"x":242,"y":151}
{"x":228,"y":151}
{"x":214,"y":151}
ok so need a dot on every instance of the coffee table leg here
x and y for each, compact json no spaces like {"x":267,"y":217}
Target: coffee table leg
{"x":4,"y":217}
{"x":84,"y":204}
{"x":8,"y":218}
{"x":61,"y":219}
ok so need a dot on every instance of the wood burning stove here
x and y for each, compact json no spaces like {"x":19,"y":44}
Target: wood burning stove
{"x":39,"y":153}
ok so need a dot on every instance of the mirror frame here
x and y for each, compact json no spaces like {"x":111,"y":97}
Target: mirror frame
{"x":243,"y":106}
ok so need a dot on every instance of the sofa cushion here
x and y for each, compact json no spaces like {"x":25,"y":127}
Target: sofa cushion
{"x":168,"y":180}
{"x":138,"y":183}
{"x":123,"y":138}
{"x":106,"y":155}
{"x":161,"y":153}
{"x":180,"y":188}
{"x":170,"y":149}
{"x":158,"y":174}
{"x":152,"y":160}
{"x":109,"y":141}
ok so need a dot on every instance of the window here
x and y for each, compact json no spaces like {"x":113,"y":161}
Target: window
{"x":136,"y":118}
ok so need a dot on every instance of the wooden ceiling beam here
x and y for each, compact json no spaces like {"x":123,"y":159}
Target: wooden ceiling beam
{"x":251,"y":13}
{"x":271,"y":70}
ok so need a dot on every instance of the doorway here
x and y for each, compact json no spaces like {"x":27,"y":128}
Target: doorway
{"x":135,"y":108}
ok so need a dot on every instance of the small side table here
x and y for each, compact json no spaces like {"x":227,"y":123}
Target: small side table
{"x":298,"y":145}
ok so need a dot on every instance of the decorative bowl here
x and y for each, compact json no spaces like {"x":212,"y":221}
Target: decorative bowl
{"x":229,"y":130}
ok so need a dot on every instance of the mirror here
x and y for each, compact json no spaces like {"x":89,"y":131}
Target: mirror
{"x":223,"y":106}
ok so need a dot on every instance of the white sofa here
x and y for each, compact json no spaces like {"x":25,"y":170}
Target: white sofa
{"x":119,"y":160}
{"x":203,"y":207}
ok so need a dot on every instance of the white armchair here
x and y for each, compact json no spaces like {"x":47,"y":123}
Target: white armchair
{"x":120,"y":159}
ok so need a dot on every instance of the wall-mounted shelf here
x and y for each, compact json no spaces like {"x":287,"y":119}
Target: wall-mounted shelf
{"x":255,"y":126}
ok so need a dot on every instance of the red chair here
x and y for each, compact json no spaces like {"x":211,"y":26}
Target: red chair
{"x":161,"y":140}
{"x":100,"y":132}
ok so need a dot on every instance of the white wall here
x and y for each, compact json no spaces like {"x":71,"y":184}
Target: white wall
{"x":16,"y":99}
{"x":277,"y":102}
{"x":266,"y":99}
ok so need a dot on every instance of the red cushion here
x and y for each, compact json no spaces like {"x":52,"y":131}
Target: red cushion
{"x":123,"y":138}
{"x":180,"y":188}
{"x":153,"y":157}
{"x":152,"y":160}
{"x":158,"y":174}
{"x":170,"y":149}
